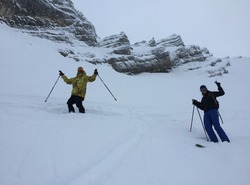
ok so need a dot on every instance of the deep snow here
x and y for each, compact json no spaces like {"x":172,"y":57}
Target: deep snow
{"x":141,"y":139}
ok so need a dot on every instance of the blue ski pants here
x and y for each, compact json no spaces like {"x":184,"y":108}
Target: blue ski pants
{"x":211,"y":119}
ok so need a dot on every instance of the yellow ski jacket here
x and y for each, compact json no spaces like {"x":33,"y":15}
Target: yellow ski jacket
{"x":79,"y":83}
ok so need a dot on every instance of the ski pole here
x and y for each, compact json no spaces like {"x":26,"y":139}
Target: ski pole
{"x":202,"y":124}
{"x":107,"y":87}
{"x":220,"y":117}
{"x":52,"y":88}
{"x":192,"y":119}
{"x":217,"y":104}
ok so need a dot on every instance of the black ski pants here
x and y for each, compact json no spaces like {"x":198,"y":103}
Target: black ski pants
{"x":78,"y":101}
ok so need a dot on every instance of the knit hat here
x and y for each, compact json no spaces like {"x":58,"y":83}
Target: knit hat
{"x":80,"y":69}
{"x":203,"y":87}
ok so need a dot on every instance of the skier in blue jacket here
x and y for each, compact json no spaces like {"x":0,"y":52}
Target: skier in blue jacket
{"x":210,"y":106}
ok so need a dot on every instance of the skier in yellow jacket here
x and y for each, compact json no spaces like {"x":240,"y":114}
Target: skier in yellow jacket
{"x":79,"y":84}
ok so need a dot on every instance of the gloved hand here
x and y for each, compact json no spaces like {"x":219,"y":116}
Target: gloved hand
{"x":61,"y":73}
{"x":95,"y":72}
{"x":195,"y":102}
{"x":217,"y":83}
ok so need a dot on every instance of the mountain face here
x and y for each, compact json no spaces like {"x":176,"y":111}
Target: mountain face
{"x":157,"y":56}
{"x":50,"y":17}
{"x":58,"y":20}
{"x":152,"y":56}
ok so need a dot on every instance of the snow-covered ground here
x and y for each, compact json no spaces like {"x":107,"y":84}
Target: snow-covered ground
{"x":141,"y":139}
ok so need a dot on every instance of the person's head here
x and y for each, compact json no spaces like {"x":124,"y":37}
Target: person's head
{"x":203,"y":89}
{"x":80,"y":71}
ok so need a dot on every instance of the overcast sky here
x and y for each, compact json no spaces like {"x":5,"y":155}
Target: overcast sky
{"x":223,"y":26}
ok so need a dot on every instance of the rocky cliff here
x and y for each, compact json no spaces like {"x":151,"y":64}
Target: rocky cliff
{"x":59,"y":20}
{"x":54,"y":19}
{"x":151,"y":56}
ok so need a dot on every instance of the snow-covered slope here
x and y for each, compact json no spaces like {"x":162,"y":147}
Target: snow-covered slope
{"x":141,"y":139}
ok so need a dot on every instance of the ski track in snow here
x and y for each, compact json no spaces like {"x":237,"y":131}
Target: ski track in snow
{"x":43,"y":143}
{"x":117,"y":149}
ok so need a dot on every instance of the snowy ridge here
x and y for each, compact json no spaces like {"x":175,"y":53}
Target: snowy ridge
{"x":142,"y":139}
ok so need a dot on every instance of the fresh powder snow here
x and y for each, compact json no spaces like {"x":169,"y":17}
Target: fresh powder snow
{"x":143,"y":138}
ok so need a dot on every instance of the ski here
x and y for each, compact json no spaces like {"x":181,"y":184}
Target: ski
{"x":199,"y":145}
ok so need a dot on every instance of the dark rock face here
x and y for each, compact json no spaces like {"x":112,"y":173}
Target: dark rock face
{"x":48,"y":16}
{"x":135,"y":65}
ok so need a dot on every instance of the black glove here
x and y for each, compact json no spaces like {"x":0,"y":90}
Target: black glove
{"x":95,"y":72}
{"x":61,"y":73}
{"x":195,"y":102}
{"x":217,"y":83}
